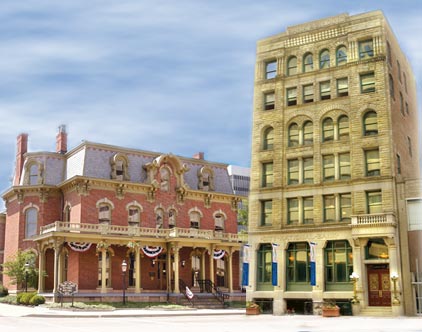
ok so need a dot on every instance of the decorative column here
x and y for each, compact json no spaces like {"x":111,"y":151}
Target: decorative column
{"x":395,"y":276}
{"x":137,"y":269}
{"x":203,"y":255}
{"x":279,"y":305}
{"x":230,"y":269}
{"x":41,"y":268}
{"x":56,"y":248}
{"x":212,"y":277}
{"x":103,"y":270}
{"x":176,"y":269}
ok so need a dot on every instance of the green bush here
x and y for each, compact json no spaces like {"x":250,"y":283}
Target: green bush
{"x":37,"y":300}
{"x":3,"y":291}
{"x":9,"y":299}
{"x":24,"y":298}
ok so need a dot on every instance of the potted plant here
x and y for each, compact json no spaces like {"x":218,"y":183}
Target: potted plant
{"x":252,"y":308}
{"x":330,"y":309}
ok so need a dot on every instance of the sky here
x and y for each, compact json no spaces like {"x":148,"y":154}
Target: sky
{"x":165,"y":76}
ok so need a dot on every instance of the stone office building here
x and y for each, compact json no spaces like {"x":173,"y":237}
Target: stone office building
{"x":173,"y":220}
{"x":335,"y":161}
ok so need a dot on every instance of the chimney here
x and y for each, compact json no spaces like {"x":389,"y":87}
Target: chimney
{"x":22,"y":148}
{"x":61,"y":140}
{"x":199,"y":156}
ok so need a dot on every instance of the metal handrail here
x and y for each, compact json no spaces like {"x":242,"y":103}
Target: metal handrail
{"x":208,"y":286}
{"x":182,"y":288}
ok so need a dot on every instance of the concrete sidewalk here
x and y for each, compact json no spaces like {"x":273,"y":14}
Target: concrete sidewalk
{"x":8,"y":310}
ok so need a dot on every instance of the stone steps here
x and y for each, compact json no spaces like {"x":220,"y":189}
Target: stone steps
{"x":376,"y":312}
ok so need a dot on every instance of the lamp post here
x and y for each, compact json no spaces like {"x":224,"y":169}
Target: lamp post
{"x":124,"y":267}
{"x":355,"y":277}
{"x":394,"y":277}
{"x":26,"y":276}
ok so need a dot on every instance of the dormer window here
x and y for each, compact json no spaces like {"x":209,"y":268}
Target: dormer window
{"x":206,"y":179}
{"x":33,"y":173}
{"x":119,"y":167}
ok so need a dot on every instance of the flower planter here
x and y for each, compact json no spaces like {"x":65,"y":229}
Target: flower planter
{"x":331,"y":312}
{"x":253,"y":311}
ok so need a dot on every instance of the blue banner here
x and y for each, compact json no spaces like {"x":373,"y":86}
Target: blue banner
{"x":274,"y":274}
{"x":245,"y":267}
{"x":313,"y":263}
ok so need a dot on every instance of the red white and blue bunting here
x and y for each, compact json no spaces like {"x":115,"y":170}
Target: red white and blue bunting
{"x":152,"y":252}
{"x":218,"y":254}
{"x":79,"y":246}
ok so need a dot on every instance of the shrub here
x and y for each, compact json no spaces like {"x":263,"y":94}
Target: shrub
{"x":3,"y":291}
{"x":9,"y":299}
{"x":37,"y":300}
{"x":24,"y":298}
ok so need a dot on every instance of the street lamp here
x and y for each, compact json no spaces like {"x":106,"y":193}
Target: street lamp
{"x":124,"y":267}
{"x":26,"y":276}
{"x":355,"y":277}
{"x":394,"y":277}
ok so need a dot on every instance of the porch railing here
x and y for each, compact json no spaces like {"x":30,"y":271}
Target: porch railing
{"x":376,"y":219}
{"x":106,"y":229}
{"x":206,"y":285}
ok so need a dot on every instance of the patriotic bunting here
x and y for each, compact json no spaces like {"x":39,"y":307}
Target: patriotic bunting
{"x":152,"y":252}
{"x":79,"y":246}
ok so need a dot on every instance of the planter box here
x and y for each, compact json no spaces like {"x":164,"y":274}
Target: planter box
{"x":253,"y":311}
{"x":330,"y":312}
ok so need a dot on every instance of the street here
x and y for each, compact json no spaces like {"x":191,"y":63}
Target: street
{"x":234,"y":323}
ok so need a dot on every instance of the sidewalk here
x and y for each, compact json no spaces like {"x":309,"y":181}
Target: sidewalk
{"x":7,"y":310}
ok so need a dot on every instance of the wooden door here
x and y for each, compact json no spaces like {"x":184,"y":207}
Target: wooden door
{"x":379,"y":292}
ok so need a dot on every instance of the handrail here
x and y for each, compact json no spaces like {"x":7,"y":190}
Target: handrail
{"x":210,"y":287}
{"x":182,"y":288}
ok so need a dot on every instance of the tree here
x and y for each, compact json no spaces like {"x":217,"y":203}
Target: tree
{"x":242,"y":213}
{"x":15,"y":269}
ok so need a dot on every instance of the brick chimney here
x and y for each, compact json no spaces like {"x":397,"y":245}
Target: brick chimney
{"x":199,"y":156}
{"x":61,"y":140}
{"x":22,"y":148}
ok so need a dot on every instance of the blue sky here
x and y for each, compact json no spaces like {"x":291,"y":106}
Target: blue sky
{"x":165,"y":76}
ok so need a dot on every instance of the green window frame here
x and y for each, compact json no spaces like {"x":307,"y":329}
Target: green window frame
{"x":345,"y":207}
{"x":372,"y":162}
{"x":264,"y":265}
{"x":344,"y":166}
{"x":266,"y":212}
{"x":308,"y":93}
{"x":267,"y":175}
{"x":324,"y":90}
{"x":374,"y":201}
{"x":329,"y":202}
{"x":367,"y":82}
{"x":268,"y":139}
{"x":342,"y":87}
{"x":292,"y":211}
{"x":308,"y":63}
{"x":308,"y":170}
{"x":291,"y":96}
{"x":270,"y":69}
{"x":366,"y":49}
{"x":370,"y":123}
{"x":269,"y":101}
{"x":343,"y":127}
{"x":328,"y":164}
{"x":298,"y":267}
{"x":324,"y":59}
{"x":293,"y":171}
{"x":341,"y":55}
{"x":292,"y":66}
{"x":327,"y":130}
{"x":293,"y":135}
{"x":338,"y":265}
{"x":308,"y":210}
{"x":308,"y":133}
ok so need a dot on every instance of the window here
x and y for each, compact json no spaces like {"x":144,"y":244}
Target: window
{"x":31,"y":222}
{"x":219,"y":220}
{"x":345,"y":207}
{"x":308,"y":170}
{"x":329,"y":208}
{"x":308,"y":133}
{"x":270,"y":69}
{"x":344,"y":161}
{"x":342,"y":87}
{"x":266,"y":212}
{"x":292,"y":211}
{"x":119,"y":167}
{"x":267,"y":175}
{"x":269,"y":101}
{"x":264,"y":263}
{"x":134,"y":216}
{"x":374,"y":202}
{"x":409,"y":145}
{"x":268,"y":139}
{"x":343,"y":127}
{"x":172,"y":213}
{"x":293,"y":135}
{"x":324,"y":90}
{"x":327,"y":130}
{"x":308,"y":63}
{"x":104,"y":214}
{"x":164,"y":178}
{"x":292,"y":66}
{"x":391,"y":85}
{"x":328,"y":168}
{"x":338,"y":265}
{"x":398,"y":164}
{"x":402,"y":104}
{"x":370,"y":124}
{"x":293,"y":171}
{"x":308,"y":210}
{"x":195,"y":219}
{"x":291,"y":96}
{"x":33,"y":174}
{"x":324,"y":59}
{"x":341,"y":55}
{"x":308,"y":93}
{"x":159,"y":217}
{"x":367,"y":82}
{"x":376,"y":249}
{"x":66,"y":213}
{"x":366,"y":49}
{"x":298,"y":267}
{"x":206,"y":179}
{"x":372,"y":161}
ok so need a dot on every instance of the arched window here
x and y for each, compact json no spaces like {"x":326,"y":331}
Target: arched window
{"x":268,"y":139}
{"x":293,"y":135}
{"x":66,"y":213}
{"x":292,"y":66}
{"x":205,"y":179}
{"x":338,"y":265}
{"x":33,"y":172}
{"x":327,"y":130}
{"x":195,"y":219}
{"x":134,"y":215}
{"x":308,"y":63}
{"x":341,"y":55}
{"x":172,"y":217}
{"x":159,"y":217}
{"x":370,"y":124}
{"x":308,"y":133}
{"x":343,"y":127}
{"x":219,"y":220}
{"x":119,"y":167}
{"x":31,"y":222}
{"x":165,"y":178}
{"x":324,"y":59}
{"x":104,"y":213}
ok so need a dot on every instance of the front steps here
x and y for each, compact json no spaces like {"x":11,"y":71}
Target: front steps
{"x":376,"y":312}
{"x":202,"y":301}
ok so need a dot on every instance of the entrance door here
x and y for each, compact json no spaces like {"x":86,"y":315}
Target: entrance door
{"x":379,"y":293}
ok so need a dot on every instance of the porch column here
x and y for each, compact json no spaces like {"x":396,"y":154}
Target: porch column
{"x":103,"y":270}
{"x":176,"y":269}
{"x":203,"y":276}
{"x":396,"y":299}
{"x":212,"y":263}
{"x":168,"y":270}
{"x":56,"y":266}
{"x":137,"y":270}
{"x":230,"y":270}
{"x":41,"y":268}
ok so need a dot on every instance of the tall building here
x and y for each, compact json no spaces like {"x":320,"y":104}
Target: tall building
{"x":240,"y":179}
{"x":334,"y":163}
{"x":171,"y":219}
